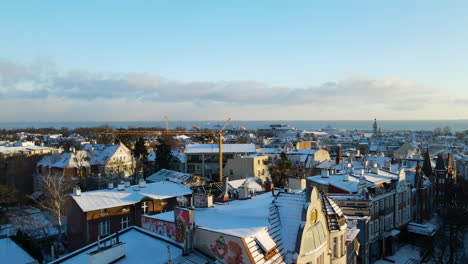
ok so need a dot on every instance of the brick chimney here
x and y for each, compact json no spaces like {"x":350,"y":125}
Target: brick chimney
{"x":339,"y":158}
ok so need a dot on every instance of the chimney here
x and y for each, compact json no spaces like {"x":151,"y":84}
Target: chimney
{"x":325,"y":173}
{"x":121,"y":187}
{"x":224,"y":197}
{"x":77,"y":191}
{"x":110,"y":186}
{"x":127,"y":184}
{"x":338,"y":155}
{"x":142,"y":183}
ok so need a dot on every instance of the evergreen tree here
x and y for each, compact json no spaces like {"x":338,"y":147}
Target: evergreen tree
{"x":140,"y":151}
{"x":281,"y":170}
{"x":163,"y":155}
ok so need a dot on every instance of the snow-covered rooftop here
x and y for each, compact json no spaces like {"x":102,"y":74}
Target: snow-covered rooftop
{"x":102,"y":199}
{"x":13,"y":254}
{"x":239,"y":218}
{"x":141,"y":246}
{"x":169,"y":175}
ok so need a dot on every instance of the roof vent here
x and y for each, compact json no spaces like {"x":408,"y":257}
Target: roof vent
{"x":110,"y":186}
{"x":77,"y":191}
{"x":142,"y":183}
{"x":325,"y":173}
{"x":127,"y":184}
{"x":121,"y":187}
{"x":375,"y":171}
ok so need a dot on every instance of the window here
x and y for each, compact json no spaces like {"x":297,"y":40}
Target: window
{"x":124,"y":222}
{"x":104,"y":228}
{"x":335,"y":247}
{"x":342,"y":245}
{"x":144,"y":207}
{"x":231,"y":172}
{"x":320,"y":259}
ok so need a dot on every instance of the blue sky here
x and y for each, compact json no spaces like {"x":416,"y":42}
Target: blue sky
{"x":210,"y":59}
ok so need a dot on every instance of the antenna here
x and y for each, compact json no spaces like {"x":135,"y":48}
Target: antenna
{"x":166,"y":120}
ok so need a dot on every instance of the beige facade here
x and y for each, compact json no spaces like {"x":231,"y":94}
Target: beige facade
{"x":243,"y":167}
{"x":313,"y":238}
{"x":297,"y":183}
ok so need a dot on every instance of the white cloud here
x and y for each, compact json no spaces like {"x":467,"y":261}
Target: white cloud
{"x":81,"y":95}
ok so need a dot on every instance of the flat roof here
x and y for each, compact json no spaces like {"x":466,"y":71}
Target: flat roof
{"x":238,"y":218}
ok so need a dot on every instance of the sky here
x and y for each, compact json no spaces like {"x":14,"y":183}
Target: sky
{"x":248,"y":60}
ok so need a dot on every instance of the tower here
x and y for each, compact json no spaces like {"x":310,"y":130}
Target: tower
{"x":376,"y":128}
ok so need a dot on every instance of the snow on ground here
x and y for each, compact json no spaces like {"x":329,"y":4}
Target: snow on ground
{"x":405,"y":254}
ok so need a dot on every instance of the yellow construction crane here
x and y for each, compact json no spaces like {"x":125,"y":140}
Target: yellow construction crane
{"x":219,"y":133}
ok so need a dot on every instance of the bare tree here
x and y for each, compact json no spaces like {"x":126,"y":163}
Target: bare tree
{"x":55,"y":190}
{"x":82,"y":168}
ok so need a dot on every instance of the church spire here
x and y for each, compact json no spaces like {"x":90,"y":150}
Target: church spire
{"x":427,"y":167}
{"x":376,"y":128}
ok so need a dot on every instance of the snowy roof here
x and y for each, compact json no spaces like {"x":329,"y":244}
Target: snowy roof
{"x":240,"y":218}
{"x":12,"y":253}
{"x":339,"y":197}
{"x":337,"y":180}
{"x":252,"y":183}
{"x":290,"y":207}
{"x":429,"y":228}
{"x":333,"y":212}
{"x":213,"y":148}
{"x":137,"y":242}
{"x":102,"y":199}
{"x":100,"y":153}
{"x":169,"y":175}
{"x":174,"y":153}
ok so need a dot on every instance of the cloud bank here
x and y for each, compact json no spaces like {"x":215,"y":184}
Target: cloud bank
{"x":71,"y":95}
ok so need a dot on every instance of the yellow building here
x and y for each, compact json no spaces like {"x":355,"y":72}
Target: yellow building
{"x":248,"y":166}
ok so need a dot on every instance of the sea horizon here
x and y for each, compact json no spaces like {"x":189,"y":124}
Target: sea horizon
{"x":385,"y":125}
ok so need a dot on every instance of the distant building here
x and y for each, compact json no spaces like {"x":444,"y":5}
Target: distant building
{"x":94,"y":158}
{"x":203,"y":159}
{"x":275,"y":130}
{"x":247,"y":166}
{"x":378,"y":198}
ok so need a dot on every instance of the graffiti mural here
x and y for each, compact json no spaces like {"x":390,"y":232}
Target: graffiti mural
{"x":159,"y":227}
{"x":227,"y":251}
{"x":182,"y":220}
